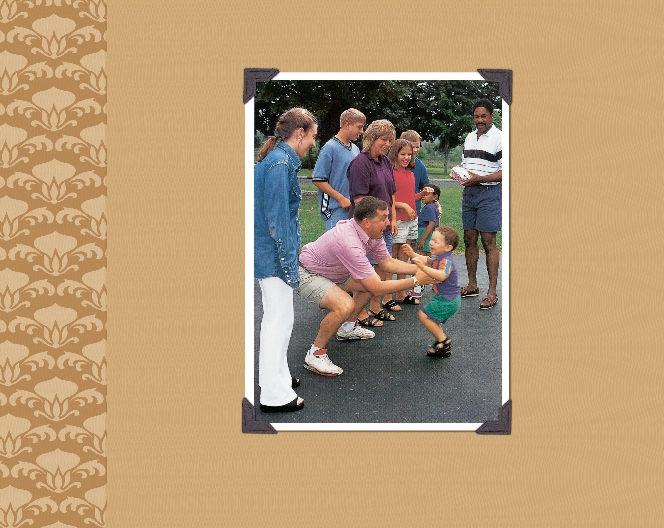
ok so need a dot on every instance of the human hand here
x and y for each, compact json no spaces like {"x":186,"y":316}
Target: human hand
{"x":395,"y":227}
{"x":423,"y":278}
{"x":344,"y":203}
{"x":408,"y":251}
{"x":411,"y":213}
{"x":420,"y":244}
{"x":475,"y":179}
{"x":421,"y":259}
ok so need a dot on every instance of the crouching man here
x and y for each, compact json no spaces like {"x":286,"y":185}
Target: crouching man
{"x":336,"y":264}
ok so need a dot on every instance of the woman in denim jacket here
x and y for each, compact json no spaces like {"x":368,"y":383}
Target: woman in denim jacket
{"x":277,"y":197}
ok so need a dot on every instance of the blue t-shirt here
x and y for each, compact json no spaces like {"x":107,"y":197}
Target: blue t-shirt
{"x":449,"y":288}
{"x":428,"y":213}
{"x":331,"y":165}
{"x":421,"y":179}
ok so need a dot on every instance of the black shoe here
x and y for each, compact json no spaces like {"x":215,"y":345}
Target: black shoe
{"x":289,"y":407}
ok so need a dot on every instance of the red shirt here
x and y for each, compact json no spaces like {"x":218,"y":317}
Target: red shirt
{"x":405,"y":191}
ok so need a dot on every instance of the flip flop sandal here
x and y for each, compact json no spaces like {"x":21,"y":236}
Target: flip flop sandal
{"x":465,"y":292}
{"x":289,"y":407}
{"x":382,"y":315}
{"x":393,"y":305}
{"x":370,"y":322}
{"x":296,"y":383}
{"x":440,"y":349}
{"x":410,"y":300}
{"x":488,"y":302}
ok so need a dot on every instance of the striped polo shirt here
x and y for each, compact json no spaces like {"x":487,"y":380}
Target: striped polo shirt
{"x":483,"y":156}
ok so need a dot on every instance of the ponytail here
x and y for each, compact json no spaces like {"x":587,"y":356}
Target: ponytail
{"x":288,"y":122}
{"x":267,"y":147}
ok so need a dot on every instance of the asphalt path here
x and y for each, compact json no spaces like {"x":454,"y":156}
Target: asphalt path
{"x":389,"y":379}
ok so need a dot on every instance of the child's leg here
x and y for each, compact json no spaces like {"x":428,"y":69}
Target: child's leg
{"x":432,"y":326}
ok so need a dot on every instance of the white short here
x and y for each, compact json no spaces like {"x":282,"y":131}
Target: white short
{"x":407,"y":231}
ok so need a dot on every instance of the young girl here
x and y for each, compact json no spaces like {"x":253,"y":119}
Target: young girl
{"x":403,"y":163}
{"x":447,"y":300}
{"x":428,"y":220}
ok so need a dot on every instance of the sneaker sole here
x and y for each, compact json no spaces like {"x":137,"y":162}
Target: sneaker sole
{"x":353,"y":338}
{"x":315,"y":370}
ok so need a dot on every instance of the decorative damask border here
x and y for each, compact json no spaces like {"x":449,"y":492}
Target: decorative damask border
{"x":53,"y":263}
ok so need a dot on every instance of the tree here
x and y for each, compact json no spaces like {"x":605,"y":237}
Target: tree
{"x":437,"y":110}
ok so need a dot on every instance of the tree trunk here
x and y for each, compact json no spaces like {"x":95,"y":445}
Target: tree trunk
{"x":447,"y":153}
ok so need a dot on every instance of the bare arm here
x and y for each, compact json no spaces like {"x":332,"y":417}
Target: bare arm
{"x":430,"y":227}
{"x":329,"y":190}
{"x":408,"y":251}
{"x":409,"y":210}
{"x":476,"y":179}
{"x":439,"y":275}
{"x":376,"y":286}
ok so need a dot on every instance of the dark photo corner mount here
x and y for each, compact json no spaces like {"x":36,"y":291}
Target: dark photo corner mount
{"x":249,"y":423}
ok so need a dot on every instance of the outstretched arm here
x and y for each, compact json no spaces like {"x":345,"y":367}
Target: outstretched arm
{"x":437,"y":274}
{"x":414,"y":257}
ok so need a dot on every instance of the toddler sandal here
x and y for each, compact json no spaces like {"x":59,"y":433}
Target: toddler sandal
{"x":440,"y":349}
{"x":382,"y":315}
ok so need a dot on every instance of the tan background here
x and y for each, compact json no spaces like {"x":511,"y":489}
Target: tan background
{"x":586,"y":368}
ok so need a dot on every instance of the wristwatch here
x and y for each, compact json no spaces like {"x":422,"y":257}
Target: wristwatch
{"x":416,"y":283}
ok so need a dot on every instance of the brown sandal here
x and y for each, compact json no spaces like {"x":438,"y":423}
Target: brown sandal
{"x":488,"y":302}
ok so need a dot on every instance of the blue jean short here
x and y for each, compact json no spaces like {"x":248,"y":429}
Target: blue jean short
{"x":481,"y":208}
{"x":388,"y":243}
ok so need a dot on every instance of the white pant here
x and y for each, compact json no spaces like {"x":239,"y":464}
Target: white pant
{"x":274,"y":377}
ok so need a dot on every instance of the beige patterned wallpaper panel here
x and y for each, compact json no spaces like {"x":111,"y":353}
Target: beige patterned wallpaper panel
{"x":52,"y":263}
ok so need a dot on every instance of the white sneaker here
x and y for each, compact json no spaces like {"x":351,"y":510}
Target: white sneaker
{"x":321,"y":365}
{"x":415,"y":293}
{"x":356,"y":333}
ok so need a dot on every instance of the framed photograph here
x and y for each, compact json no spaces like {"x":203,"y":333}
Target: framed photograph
{"x":388,"y":381}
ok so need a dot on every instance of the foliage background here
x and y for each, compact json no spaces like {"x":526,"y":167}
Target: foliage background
{"x":439,"y":111}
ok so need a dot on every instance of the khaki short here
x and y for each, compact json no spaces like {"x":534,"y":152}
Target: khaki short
{"x":314,"y":287}
{"x":407,"y":231}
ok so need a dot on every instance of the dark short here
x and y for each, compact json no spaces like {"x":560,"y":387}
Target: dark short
{"x":440,"y":309}
{"x":481,"y":208}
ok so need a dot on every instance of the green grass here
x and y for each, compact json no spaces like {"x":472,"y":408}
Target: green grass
{"x":450,"y":200}
{"x":438,"y":173}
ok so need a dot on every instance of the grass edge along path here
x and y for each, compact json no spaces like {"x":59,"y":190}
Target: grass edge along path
{"x":313,"y":226}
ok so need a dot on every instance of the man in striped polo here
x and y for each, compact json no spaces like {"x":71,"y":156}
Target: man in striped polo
{"x":481,"y":209}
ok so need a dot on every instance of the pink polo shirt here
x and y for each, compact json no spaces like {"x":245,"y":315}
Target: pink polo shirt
{"x":342,"y":252}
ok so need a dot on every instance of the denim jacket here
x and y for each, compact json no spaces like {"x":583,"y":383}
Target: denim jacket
{"x":277,"y":197}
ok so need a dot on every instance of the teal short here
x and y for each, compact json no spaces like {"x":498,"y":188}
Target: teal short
{"x":440,"y":309}
{"x":421,"y":230}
